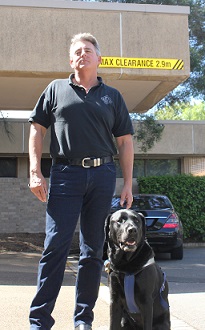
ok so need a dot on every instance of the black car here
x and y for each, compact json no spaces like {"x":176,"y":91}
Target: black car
{"x":164,"y":229}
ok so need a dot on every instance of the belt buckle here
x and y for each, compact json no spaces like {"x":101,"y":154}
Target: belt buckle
{"x":96,"y":162}
{"x":83,"y":162}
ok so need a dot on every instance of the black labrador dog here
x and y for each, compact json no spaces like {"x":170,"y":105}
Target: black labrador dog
{"x":138,"y":287}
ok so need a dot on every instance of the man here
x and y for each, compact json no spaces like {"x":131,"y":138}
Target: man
{"x":83,"y":114}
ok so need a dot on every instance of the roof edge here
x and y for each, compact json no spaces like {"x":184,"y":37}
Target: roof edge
{"x":79,"y":5}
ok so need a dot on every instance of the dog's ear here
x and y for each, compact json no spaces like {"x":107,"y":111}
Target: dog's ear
{"x":143,"y":223}
{"x":142,"y":215}
{"x":107,"y":227}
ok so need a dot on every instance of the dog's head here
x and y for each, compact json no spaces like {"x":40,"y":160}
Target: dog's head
{"x":126,"y":229}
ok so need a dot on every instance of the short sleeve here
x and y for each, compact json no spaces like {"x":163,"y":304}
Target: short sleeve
{"x":41,"y":111}
{"x":123,"y":123}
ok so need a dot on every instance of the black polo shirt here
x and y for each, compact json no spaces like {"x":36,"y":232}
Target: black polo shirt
{"x":82,"y":125}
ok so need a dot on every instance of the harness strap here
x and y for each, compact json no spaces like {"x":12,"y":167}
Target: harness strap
{"x":129,"y":283}
{"x":129,"y":286}
{"x":149,"y":262}
{"x":162,"y":301}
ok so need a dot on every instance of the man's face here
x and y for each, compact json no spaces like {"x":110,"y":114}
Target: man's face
{"x":83,"y":56}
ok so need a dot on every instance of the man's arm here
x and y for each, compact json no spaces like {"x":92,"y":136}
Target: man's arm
{"x":126,"y":157}
{"x":38,"y":184}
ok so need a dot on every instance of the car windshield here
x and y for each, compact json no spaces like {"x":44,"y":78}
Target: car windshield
{"x":151,"y":202}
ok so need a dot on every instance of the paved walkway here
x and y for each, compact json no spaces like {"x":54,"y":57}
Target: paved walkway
{"x":176,"y":323}
{"x":18,"y":286}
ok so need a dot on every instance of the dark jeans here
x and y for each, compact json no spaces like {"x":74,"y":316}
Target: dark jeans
{"x":73,"y":190}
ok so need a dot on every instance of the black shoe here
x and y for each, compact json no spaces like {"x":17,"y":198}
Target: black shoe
{"x":83,"y":327}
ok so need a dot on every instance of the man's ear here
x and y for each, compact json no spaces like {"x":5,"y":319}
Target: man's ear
{"x":71,"y":63}
{"x":99,"y":60}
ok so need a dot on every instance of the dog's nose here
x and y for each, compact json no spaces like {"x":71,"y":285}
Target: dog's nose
{"x":132,"y":230}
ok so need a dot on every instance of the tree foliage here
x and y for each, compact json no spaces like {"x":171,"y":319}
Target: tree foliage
{"x":181,"y":111}
{"x":6,"y":127}
{"x":148,"y":132}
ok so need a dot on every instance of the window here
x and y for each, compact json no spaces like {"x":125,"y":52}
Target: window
{"x":146,"y":202}
{"x":142,"y":167}
{"x":8,"y":167}
{"x":162,"y":167}
{"x":149,"y":167}
{"x":139,"y":168}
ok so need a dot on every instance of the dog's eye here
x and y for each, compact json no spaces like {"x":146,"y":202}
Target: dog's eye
{"x":120,"y":221}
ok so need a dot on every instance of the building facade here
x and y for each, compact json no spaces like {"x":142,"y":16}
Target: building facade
{"x":181,"y":150}
{"x":145,"y":51}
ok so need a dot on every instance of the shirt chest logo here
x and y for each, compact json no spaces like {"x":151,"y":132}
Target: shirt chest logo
{"x":106,"y":99}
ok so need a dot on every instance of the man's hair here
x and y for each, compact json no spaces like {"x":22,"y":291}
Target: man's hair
{"x":85,"y":37}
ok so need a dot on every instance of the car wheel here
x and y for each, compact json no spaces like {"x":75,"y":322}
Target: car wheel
{"x":177,"y":253}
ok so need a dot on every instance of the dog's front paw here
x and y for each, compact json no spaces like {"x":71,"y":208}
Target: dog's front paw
{"x":107,"y":266}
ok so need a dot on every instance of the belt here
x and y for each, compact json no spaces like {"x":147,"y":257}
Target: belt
{"x":86,"y":162}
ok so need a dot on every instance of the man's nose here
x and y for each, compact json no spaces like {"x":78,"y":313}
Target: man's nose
{"x":83,"y":53}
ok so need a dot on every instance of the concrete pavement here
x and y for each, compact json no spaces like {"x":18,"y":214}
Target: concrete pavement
{"x":18,"y":285}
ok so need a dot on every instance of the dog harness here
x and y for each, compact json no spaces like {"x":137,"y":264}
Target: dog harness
{"x":129,"y":282}
{"x":163,"y":302}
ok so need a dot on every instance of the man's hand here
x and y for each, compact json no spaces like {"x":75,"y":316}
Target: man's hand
{"x":38,"y":187}
{"x":37,"y":184}
{"x":126,"y":198}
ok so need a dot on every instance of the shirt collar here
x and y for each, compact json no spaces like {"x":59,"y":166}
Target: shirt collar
{"x":72,"y":76}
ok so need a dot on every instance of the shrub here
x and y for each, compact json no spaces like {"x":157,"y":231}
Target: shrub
{"x":187,"y":194}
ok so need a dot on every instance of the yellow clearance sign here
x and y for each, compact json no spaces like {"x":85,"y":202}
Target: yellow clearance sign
{"x":142,"y":63}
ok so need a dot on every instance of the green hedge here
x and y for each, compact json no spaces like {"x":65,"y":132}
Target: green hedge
{"x":187,"y":194}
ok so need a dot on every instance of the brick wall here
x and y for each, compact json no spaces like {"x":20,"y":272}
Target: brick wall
{"x":20,"y":210}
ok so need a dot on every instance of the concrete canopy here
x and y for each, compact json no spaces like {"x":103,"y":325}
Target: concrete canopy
{"x":148,"y":44}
